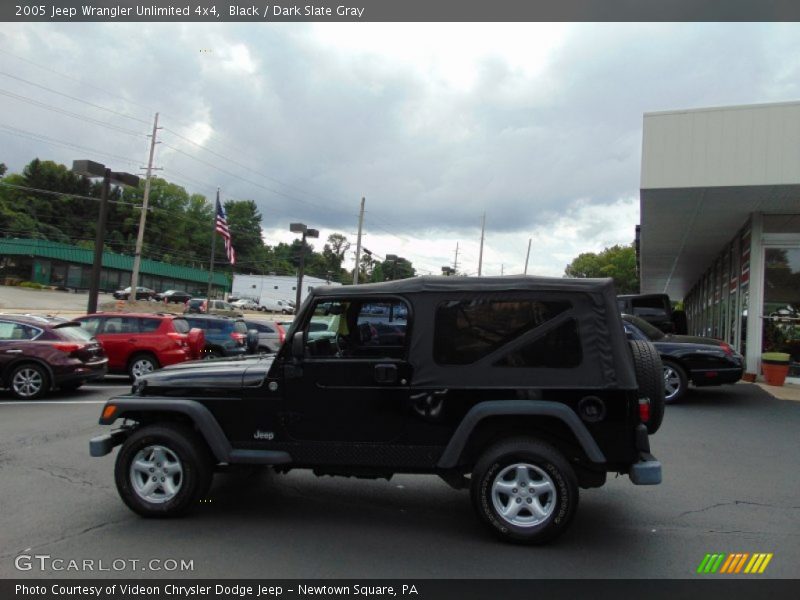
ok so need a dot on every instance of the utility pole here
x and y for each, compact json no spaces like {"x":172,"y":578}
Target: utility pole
{"x":358,"y":243}
{"x":527,"y":256}
{"x":137,"y":258}
{"x":97,"y":264}
{"x":502,"y":269}
{"x":455,"y":262}
{"x":480,"y":256}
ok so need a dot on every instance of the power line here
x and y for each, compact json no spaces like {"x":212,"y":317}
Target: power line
{"x":38,"y":137}
{"x":65,"y":95}
{"x":52,"y":108}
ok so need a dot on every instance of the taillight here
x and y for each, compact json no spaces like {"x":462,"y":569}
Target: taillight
{"x":281,"y":333}
{"x":239,"y":338}
{"x":644,"y":409}
{"x":67,"y":347}
{"x":726,"y":348}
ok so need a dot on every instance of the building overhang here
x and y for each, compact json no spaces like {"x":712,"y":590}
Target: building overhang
{"x":684,"y":229}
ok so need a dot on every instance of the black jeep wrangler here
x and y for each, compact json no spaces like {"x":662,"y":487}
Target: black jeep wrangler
{"x":522,"y":389}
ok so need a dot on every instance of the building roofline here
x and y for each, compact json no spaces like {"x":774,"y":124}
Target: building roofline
{"x":721,"y":108}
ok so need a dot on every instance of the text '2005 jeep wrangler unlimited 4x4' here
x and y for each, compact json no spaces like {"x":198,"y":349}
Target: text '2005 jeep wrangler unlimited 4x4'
{"x":522,"y":389}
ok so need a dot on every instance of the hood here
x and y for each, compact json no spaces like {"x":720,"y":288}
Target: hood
{"x":207,"y":375}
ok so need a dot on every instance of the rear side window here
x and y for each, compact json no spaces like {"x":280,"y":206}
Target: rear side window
{"x":149,"y":325}
{"x":73,"y":332}
{"x":181,"y":325}
{"x":17,"y":331}
{"x":90,"y":324}
{"x":467,"y":330}
{"x":121,"y":325}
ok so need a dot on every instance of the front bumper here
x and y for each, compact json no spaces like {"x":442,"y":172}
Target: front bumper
{"x":103,"y":444}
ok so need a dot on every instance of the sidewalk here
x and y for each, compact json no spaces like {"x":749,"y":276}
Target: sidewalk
{"x":789,"y":391}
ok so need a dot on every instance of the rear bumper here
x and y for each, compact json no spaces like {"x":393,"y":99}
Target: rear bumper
{"x":647,"y":471}
{"x":173,"y":357}
{"x":716,"y":376}
{"x":80,"y":372}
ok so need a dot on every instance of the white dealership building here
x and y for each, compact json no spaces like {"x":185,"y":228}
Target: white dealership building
{"x":720,"y":223}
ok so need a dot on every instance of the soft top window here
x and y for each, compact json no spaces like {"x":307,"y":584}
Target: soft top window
{"x":467,"y":330}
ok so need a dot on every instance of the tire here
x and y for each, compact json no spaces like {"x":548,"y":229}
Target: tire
{"x":179,"y":459}
{"x":29,"y":381}
{"x":675,"y":382}
{"x":141,"y":364}
{"x":555,"y":500}
{"x":650,"y":377}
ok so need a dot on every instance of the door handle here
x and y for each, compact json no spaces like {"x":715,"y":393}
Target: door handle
{"x":386,"y":373}
{"x":13,"y":351}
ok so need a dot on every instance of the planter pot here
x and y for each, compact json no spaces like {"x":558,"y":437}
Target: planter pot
{"x":775,"y":373}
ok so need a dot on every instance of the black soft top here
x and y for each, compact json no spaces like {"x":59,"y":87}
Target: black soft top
{"x":605,"y":363}
{"x":416,"y":285}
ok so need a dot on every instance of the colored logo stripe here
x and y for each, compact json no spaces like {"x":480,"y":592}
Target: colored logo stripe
{"x":735,"y":563}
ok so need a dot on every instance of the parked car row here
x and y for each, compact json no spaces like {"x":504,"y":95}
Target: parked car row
{"x":39,"y":354}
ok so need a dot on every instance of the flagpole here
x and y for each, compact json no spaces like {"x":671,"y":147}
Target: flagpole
{"x":213,"y":247}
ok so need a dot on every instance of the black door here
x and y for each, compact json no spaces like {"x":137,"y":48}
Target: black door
{"x":353,"y":383}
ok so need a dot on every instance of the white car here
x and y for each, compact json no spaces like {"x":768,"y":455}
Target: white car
{"x":245,"y":304}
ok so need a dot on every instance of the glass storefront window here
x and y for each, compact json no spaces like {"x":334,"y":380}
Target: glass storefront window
{"x":781,"y":322}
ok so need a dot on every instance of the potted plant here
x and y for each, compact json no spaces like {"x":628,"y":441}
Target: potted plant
{"x":775,"y":367}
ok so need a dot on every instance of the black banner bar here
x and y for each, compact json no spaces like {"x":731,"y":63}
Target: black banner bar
{"x":399,"y":10}
{"x":731,"y":588}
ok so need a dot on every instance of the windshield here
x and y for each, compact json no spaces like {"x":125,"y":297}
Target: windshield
{"x":653,"y":333}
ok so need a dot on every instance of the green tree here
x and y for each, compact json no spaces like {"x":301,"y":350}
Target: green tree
{"x":244,"y":221}
{"x":3,"y":169}
{"x":617,"y":262}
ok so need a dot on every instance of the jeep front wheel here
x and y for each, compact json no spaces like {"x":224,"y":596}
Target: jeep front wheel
{"x":162,"y":470}
{"x":525,"y":491}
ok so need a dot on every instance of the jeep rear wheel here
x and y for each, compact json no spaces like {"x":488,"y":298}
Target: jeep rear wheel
{"x":162,"y":470}
{"x":650,"y":378}
{"x":525,"y":491}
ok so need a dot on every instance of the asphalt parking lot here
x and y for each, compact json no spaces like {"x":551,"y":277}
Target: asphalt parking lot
{"x":730,"y":485}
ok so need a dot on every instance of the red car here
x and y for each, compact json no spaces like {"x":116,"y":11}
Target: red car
{"x":38,"y":354}
{"x":138,"y":343}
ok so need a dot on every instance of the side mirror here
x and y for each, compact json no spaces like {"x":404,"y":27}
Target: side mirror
{"x":298,"y":345}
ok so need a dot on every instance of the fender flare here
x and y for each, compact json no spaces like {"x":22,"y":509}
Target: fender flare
{"x":518,"y":408}
{"x":205,"y":422}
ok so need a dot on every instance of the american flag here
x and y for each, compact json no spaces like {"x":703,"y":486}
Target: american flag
{"x":222,"y":228}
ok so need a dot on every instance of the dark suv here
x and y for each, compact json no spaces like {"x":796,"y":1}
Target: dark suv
{"x":38,"y":354}
{"x":521,"y":389}
{"x":225,"y":336}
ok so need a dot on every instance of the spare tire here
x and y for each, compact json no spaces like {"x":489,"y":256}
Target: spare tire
{"x":650,"y":377}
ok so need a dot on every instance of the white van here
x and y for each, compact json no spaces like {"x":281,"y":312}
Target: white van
{"x":275,"y":305}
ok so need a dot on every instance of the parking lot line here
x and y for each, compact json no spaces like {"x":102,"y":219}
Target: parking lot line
{"x":34,"y":402}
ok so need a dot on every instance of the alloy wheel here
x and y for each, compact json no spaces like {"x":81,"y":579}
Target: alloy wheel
{"x":523,"y":495}
{"x":156,"y":474}
{"x":672,"y":383}
{"x":27,"y":382}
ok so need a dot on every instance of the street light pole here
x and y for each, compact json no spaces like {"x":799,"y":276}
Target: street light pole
{"x":307,"y":233}
{"x":99,"y":240}
{"x":89,"y":168}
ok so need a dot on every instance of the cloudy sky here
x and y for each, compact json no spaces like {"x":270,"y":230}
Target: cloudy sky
{"x":537,"y":125}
